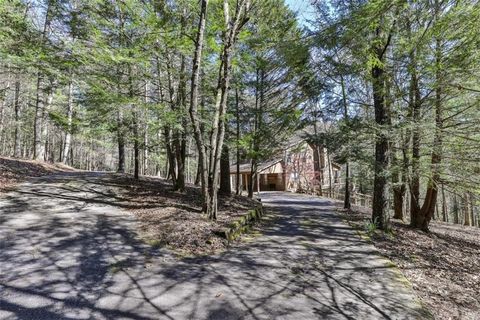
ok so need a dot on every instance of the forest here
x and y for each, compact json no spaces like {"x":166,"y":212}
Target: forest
{"x":185,"y":90}
{"x":182,"y":89}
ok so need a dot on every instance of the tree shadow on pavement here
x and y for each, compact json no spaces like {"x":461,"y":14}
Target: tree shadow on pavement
{"x":59,"y":262}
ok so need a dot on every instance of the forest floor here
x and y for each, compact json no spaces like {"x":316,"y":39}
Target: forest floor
{"x":13,"y":171}
{"x":443,"y":265}
{"x":174,"y":219}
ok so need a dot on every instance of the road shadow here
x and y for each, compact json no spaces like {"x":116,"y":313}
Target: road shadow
{"x":66,"y":256}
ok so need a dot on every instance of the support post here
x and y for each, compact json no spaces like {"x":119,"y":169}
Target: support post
{"x":258,"y":183}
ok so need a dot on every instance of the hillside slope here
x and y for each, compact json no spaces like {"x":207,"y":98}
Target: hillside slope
{"x":13,"y":171}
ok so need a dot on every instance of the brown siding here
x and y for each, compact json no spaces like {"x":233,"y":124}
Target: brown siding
{"x":302,"y":170}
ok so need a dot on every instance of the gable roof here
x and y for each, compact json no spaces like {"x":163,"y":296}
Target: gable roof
{"x":247,"y":167}
{"x":296,"y":139}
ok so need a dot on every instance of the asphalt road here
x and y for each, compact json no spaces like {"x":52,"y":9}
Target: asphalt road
{"x":68,"y":250}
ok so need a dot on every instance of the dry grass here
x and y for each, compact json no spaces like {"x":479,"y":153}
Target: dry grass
{"x":443,"y":265}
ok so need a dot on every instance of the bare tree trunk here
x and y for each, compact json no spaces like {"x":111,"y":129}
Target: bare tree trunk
{"x":444,"y":205}
{"x":237,"y":137}
{"x":51,"y":147}
{"x":68,"y":134}
{"x":193,"y":109}
{"x":38,"y":130}
{"x":428,"y":208}
{"x":225,"y":185}
{"x":38,"y":122}
{"x":43,"y":154}
{"x":466,"y":210}
{"x":380,"y":205}
{"x":330,"y":183}
{"x":233,"y":27}
{"x":456,"y":218}
{"x":400,"y":205}
{"x":398,"y":186}
{"x":180,"y":135}
{"x":145,"y":150}
{"x":319,"y":162}
{"x":3,"y":94}
{"x":170,"y":155}
{"x":257,"y":127}
{"x":198,"y":173}
{"x":180,"y":154}
{"x":398,"y":196}
{"x":472,"y":208}
{"x":414,"y":105}
{"x":188,"y":170}
{"x":253,"y":178}
{"x":415,"y":180}
{"x":346,"y":200}
{"x":145,"y":134}
{"x":136,"y":146}
{"x":17,"y":142}
{"x":121,"y":142}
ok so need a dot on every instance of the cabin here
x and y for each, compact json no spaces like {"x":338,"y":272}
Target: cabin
{"x":299,"y":167}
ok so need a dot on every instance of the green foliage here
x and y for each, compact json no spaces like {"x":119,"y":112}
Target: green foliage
{"x":370,"y":227}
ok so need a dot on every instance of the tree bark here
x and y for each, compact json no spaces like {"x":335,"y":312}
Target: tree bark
{"x":380,"y":205}
{"x":17,"y":141}
{"x":170,"y":155}
{"x":145,"y":149}
{"x":38,"y":122}
{"x":456,"y":218}
{"x":68,"y":133}
{"x":136,"y":147}
{"x":415,"y":180}
{"x":120,"y":142}
{"x":38,"y":130}
{"x":346,"y":198}
{"x":257,"y":127}
{"x":253,"y":177}
{"x":3,"y":94}
{"x":444,"y":205}
{"x":414,"y":106}
{"x":225,"y":185}
{"x":398,"y":180}
{"x":233,"y":27}
{"x":42,"y":155}
{"x":180,"y":140}
{"x":471,"y":197}
{"x":398,"y":196}
{"x":427,"y":211}
{"x":319,"y":162}
{"x":466,"y":210}
{"x":330,"y":184}
{"x":237,"y":138}
{"x":193,"y":109}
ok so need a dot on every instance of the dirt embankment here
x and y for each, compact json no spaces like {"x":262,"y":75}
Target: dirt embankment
{"x":174,"y":219}
{"x":13,"y":171}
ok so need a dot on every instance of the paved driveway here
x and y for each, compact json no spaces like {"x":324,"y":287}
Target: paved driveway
{"x":68,"y":250}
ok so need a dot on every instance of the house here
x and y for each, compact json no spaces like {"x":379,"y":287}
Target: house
{"x":299,"y":167}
